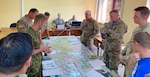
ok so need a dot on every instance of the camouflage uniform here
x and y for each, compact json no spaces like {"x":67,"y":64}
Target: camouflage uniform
{"x":25,"y":23}
{"x":69,"y":22}
{"x":35,"y":68}
{"x":89,"y":31}
{"x":46,"y":27}
{"x":129,"y":49}
{"x":58,"y":22}
{"x":112,"y":42}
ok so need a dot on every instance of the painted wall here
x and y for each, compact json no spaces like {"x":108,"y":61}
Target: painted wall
{"x":11,"y":10}
{"x":67,"y":8}
{"x":128,"y":13}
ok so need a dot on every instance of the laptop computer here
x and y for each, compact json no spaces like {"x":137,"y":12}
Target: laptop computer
{"x":76,"y":24}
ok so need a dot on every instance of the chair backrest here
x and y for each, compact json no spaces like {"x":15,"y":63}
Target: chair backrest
{"x":13,"y":25}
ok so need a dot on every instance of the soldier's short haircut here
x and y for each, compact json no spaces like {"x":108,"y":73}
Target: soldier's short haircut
{"x":47,"y":13}
{"x":33,"y":10}
{"x":143,"y":10}
{"x":39,"y":17}
{"x":143,"y":38}
{"x":15,"y":50}
{"x":114,"y":11}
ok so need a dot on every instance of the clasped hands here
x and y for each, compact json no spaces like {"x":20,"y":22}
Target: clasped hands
{"x":133,"y":57}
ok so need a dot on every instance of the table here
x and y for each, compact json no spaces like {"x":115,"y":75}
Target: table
{"x":64,"y":32}
{"x":75,"y":32}
{"x":70,"y":58}
{"x":6,"y":30}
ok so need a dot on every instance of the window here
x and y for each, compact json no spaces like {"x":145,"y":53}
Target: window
{"x":105,"y":6}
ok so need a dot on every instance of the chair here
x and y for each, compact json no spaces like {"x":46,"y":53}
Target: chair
{"x":13,"y":25}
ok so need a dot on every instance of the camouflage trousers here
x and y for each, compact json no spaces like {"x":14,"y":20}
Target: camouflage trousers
{"x":35,"y":68}
{"x":87,"y":42}
{"x":111,"y":59}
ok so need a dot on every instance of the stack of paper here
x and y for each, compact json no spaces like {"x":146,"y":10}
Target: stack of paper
{"x":48,"y":64}
{"x":50,"y":68}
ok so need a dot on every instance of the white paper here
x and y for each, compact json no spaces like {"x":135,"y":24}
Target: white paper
{"x":96,"y":64}
{"x":53,"y":52}
{"x":121,"y":69}
{"x":122,"y":47}
{"x":93,"y":73}
{"x":49,"y":64}
{"x":51,"y":72}
{"x":60,"y":26}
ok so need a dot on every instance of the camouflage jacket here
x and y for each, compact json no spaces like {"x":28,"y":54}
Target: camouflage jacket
{"x":128,"y":49}
{"x":45,"y":27}
{"x":23,"y":24}
{"x":69,"y":22}
{"x":89,"y":28}
{"x":114,"y":32}
{"x":34,"y":69}
{"x":59,"y":22}
{"x":35,"y":37}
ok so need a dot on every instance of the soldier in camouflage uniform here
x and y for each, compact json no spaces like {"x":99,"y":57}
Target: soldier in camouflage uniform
{"x":112,"y":33}
{"x":89,"y":28}
{"x":15,"y":54}
{"x":58,"y":21}
{"x":45,"y":28}
{"x":140,"y":17}
{"x":35,"y":68}
{"x":69,"y":22}
{"x":25,"y":22}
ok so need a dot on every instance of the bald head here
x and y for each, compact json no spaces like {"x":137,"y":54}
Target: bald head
{"x":59,"y":15}
{"x":74,"y":17}
{"x":87,"y":14}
